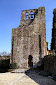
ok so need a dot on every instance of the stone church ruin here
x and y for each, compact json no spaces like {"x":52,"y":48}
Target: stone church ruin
{"x":29,"y":38}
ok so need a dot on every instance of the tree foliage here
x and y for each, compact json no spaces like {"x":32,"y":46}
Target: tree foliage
{"x":53,"y":41}
{"x":4,"y":53}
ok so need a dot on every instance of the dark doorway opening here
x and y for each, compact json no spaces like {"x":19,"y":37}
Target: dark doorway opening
{"x":30,"y":61}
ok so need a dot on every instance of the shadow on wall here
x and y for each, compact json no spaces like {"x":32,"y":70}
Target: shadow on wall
{"x":50,"y":64}
{"x":4,"y":65}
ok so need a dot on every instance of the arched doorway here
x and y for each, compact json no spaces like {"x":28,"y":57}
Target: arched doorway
{"x":30,"y":61}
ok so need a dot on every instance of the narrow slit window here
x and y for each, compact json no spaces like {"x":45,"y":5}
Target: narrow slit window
{"x":26,"y":16}
{"x":31,"y":15}
{"x":39,"y":44}
{"x":40,"y":51}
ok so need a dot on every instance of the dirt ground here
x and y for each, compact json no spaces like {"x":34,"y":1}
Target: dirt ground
{"x":24,"y":79}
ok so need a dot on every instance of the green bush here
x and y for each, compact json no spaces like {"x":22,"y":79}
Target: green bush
{"x":13,"y":65}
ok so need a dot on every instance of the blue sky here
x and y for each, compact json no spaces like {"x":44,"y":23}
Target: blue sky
{"x":10,"y":14}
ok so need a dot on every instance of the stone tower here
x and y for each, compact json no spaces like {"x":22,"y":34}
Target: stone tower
{"x":53,"y":42}
{"x":29,"y":38}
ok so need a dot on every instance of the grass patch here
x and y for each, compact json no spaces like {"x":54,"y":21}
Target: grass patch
{"x":13,"y":65}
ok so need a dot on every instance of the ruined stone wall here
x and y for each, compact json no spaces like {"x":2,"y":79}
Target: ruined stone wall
{"x":25,"y":38}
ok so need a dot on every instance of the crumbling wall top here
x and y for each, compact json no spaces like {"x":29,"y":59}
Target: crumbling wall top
{"x":27,"y":15}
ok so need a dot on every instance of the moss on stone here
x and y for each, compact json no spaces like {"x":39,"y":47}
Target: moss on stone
{"x":54,"y":11}
{"x":35,"y":9}
{"x":19,"y":25}
{"x":29,"y":18}
{"x":43,"y":7}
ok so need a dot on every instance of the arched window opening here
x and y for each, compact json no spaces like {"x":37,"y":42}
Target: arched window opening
{"x":26,"y":16}
{"x":31,"y":15}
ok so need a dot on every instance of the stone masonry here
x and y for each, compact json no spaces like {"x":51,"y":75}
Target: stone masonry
{"x":29,"y":38}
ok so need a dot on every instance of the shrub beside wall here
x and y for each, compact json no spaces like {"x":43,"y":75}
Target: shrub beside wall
{"x":13,"y":65}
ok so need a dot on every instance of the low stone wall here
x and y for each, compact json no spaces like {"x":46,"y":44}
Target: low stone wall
{"x":50,"y":64}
